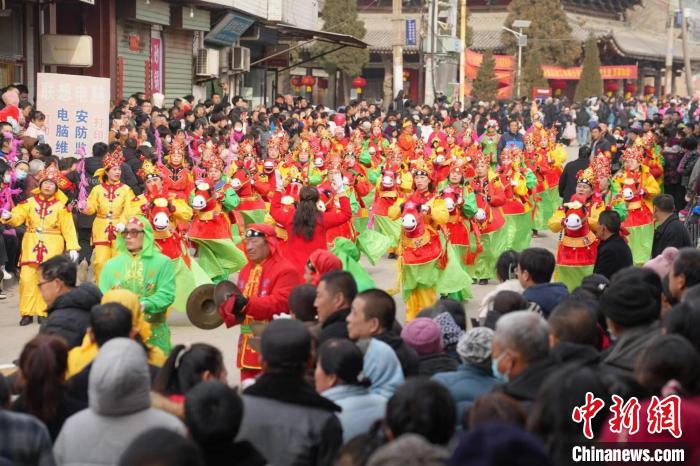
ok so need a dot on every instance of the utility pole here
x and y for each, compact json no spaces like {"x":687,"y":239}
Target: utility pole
{"x":686,"y":54}
{"x":462,"y":48}
{"x":430,"y":58}
{"x":668,"y":81}
{"x":397,"y":49}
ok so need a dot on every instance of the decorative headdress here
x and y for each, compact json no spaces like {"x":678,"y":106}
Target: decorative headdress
{"x":148,"y":171}
{"x":50,"y":173}
{"x":114,"y":159}
{"x":586,"y":176}
{"x":633,"y":152}
{"x":420,"y":167}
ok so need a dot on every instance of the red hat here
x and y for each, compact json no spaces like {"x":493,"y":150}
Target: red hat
{"x":263,"y":230}
{"x":322,"y":261}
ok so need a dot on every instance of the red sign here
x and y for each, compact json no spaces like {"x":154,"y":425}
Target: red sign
{"x":156,"y":65}
{"x":134,"y":42}
{"x":606,"y":72}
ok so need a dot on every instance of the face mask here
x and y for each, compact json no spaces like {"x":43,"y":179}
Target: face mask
{"x":20,"y":175}
{"x":7,"y":178}
{"x":501,"y":377}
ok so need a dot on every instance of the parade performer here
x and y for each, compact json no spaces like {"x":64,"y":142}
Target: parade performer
{"x":652,"y":158}
{"x":305,"y":226}
{"x":385,"y":196}
{"x":141,"y":269}
{"x":578,"y":245}
{"x":537,"y":161}
{"x":251,"y":190}
{"x":264,"y":283}
{"x":178,"y":178}
{"x":407,"y":140}
{"x":489,"y":142}
{"x":428,"y":268}
{"x":228,"y":197}
{"x":490,"y":222}
{"x":109,"y":202}
{"x":461,"y":204}
{"x":49,"y":230}
{"x":358,"y":187}
{"x":188,"y":273}
{"x":638,"y":188}
{"x":210,"y":231}
{"x":516,"y":182}
{"x":152,"y":177}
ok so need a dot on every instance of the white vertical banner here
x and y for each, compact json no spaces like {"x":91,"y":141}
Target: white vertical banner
{"x":76,"y":109}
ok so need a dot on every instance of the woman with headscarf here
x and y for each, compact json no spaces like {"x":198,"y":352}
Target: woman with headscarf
{"x":82,"y":355}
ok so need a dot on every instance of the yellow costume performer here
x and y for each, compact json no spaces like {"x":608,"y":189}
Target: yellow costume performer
{"x":109,"y":202}
{"x":49,"y":231}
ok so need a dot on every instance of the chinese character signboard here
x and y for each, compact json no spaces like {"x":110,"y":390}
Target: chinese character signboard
{"x":77,"y":111}
{"x":156,"y":65}
{"x":411,"y":32}
{"x":606,"y":72}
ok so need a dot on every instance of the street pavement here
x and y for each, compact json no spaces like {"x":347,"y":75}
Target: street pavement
{"x":13,"y":337}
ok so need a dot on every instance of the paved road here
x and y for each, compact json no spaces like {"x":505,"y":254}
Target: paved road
{"x":13,"y":337}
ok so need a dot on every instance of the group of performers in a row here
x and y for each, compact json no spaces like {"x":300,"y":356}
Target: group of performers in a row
{"x":446,"y":209}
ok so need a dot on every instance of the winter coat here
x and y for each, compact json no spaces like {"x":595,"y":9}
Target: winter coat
{"x":546,"y":296}
{"x":407,"y":355}
{"x":289,"y":423}
{"x":119,"y":409}
{"x":671,"y":233}
{"x":360,"y":408}
{"x":613,"y":254}
{"x":69,"y":315}
{"x":335,"y":326}
{"x":465,"y":385}
{"x":381,"y":366}
{"x":432,"y":364}
{"x":621,"y":357}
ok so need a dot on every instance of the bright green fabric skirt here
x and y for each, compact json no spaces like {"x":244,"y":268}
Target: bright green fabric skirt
{"x":571,"y":276}
{"x":640,"y":241}
{"x":349,"y":255}
{"x":389,"y":228}
{"x":253,"y":216}
{"x":548,"y":203}
{"x":219,"y":258}
{"x":494,"y":244}
{"x":186,"y":280}
{"x":452,"y":279}
{"x":518,"y":231}
{"x":373,"y":245}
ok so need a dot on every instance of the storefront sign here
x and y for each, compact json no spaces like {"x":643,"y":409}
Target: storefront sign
{"x":228,"y":30}
{"x":411,"y":32}
{"x":77,"y":111}
{"x":606,"y":72}
{"x":134,"y":42}
{"x":156,"y":65}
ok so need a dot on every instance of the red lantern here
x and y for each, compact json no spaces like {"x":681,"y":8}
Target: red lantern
{"x":611,"y":86}
{"x":308,"y":81}
{"x":296,"y":82}
{"x":649,"y":90}
{"x":359,"y":82}
{"x":557,"y":85}
{"x":630,"y":88}
{"x":322,"y":83}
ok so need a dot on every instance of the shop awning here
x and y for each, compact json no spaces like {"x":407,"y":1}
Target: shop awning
{"x":303,"y":37}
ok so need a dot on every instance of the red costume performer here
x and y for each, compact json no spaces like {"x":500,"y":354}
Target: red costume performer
{"x":265,"y":287}
{"x":177,"y":178}
{"x":299,"y":248}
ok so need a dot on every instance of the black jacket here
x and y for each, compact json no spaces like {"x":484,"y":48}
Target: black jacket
{"x":613,"y":254}
{"x":670,"y":233}
{"x":69,"y":315}
{"x":568,"y":179}
{"x":335,"y":326}
{"x":234,"y":453}
{"x":435,"y":363}
{"x":524,"y":386}
{"x":407,"y":355}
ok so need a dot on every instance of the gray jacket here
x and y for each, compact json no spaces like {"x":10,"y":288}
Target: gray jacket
{"x":119,"y":409}
{"x":622,"y":356}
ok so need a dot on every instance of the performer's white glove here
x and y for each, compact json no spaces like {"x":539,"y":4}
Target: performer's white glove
{"x":73,"y":256}
{"x":480,"y":215}
{"x":6,"y":214}
{"x":425,"y":208}
{"x":281,"y":316}
{"x":120,"y":227}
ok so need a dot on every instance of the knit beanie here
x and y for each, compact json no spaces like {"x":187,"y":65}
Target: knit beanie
{"x":475,"y":346}
{"x":630,"y":303}
{"x":451,"y":332}
{"x":662,"y":263}
{"x":423,"y":335}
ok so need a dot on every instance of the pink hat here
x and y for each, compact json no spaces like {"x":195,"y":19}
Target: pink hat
{"x":423,"y":335}
{"x":662,"y":263}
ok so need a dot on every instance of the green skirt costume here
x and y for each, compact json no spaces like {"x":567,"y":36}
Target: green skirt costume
{"x":391,"y":229}
{"x":549,"y":201}
{"x":186,"y":280}
{"x":640,"y":240}
{"x":253,"y":216}
{"x":219,"y":258}
{"x":571,"y":276}
{"x":494,"y":243}
{"x":349,"y":255}
{"x":518,"y":229}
